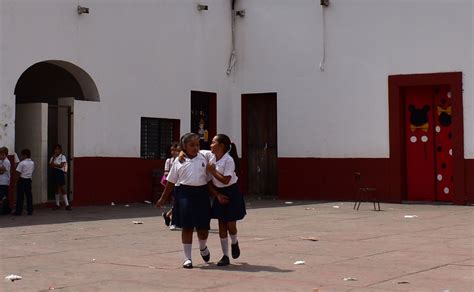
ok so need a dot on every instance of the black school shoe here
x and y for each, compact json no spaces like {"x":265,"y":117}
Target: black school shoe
{"x":188,"y":264}
{"x":167,"y":219}
{"x":56,"y":207}
{"x":68,"y":208}
{"x":224,"y":261}
{"x":235,"y":250}
{"x":207,"y":257}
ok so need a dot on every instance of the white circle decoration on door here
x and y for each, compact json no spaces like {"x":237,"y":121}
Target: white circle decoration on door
{"x":446,"y":190}
{"x":424,"y":139}
{"x":451,"y":152}
{"x":438,"y":129}
{"x":439,"y":177}
{"x":413,"y":139}
{"x":449,"y":94}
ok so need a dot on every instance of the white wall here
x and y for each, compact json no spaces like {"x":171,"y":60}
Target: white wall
{"x":343,"y":111}
{"x":146,"y":56}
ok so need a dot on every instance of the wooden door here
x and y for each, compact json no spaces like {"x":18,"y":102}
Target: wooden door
{"x":261,"y":143}
{"x":428,"y":140}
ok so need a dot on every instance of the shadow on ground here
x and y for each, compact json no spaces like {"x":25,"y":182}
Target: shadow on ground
{"x":246,"y":267}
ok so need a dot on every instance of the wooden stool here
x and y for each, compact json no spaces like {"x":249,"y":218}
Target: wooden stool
{"x":364,"y":192}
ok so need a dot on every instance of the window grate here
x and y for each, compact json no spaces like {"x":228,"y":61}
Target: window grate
{"x":156,"y":137}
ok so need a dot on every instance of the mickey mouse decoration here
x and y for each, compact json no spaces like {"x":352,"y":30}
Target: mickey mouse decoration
{"x":419,"y":118}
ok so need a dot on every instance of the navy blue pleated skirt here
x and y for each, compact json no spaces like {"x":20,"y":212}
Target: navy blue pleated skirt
{"x":191,"y":207}
{"x":59,"y":178}
{"x":234,"y":210}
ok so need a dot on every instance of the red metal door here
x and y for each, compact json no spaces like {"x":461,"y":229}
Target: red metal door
{"x":428,"y":138}
{"x":419,"y":139}
{"x":444,"y":144}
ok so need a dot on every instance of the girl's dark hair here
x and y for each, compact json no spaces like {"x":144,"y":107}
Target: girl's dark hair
{"x":26,"y":153}
{"x":229,"y":147}
{"x":58,"y":146}
{"x":174,"y":145}
{"x":186,"y":138}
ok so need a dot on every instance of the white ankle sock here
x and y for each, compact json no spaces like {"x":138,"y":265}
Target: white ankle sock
{"x":57,"y":200}
{"x":225,"y":246}
{"x":233,"y":238}
{"x":187,"y":250}
{"x":203,"y":247}
{"x":65,"y":200}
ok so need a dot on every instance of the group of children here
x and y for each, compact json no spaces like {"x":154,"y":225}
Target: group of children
{"x":24,"y":169}
{"x":194,"y":176}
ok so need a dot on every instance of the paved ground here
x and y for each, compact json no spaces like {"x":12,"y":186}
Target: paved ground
{"x":100,"y":249}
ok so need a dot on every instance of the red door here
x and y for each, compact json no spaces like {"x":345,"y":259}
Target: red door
{"x":428,"y":141}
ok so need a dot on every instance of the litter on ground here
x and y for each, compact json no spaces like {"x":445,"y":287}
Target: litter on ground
{"x":137,"y":222}
{"x":336,"y":207}
{"x":310,"y":238}
{"x":350,"y":279}
{"x":13,"y":277}
{"x":299,"y":263}
{"x":411,"y":216}
{"x":147,"y":202}
{"x":112,"y":204}
{"x":289,"y":203}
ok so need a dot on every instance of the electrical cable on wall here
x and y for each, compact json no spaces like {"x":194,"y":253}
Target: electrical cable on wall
{"x":324,"y":4}
{"x":232,"y":58}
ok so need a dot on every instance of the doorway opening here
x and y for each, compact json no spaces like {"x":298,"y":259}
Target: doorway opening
{"x":45,"y":94}
{"x":259,"y":143}
{"x":426,"y":137}
{"x":204,"y":117}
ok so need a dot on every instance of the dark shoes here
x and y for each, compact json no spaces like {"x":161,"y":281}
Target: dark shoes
{"x":16,"y":213}
{"x":167,"y":219}
{"x":188,"y":264}
{"x":235,"y":250}
{"x":56,"y":207}
{"x":224,"y":261}
{"x":68,"y":207}
{"x":207,"y":257}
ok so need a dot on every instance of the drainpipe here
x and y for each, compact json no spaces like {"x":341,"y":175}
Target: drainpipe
{"x":232,"y":55}
{"x":324,"y":5}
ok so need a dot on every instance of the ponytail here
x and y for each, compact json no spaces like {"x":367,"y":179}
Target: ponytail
{"x":229,"y":148}
{"x":235,"y":156}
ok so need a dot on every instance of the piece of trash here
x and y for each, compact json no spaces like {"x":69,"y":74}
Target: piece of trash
{"x":309,"y":238}
{"x":147,"y":202}
{"x":13,"y":277}
{"x":51,"y":288}
{"x":112,"y":204}
{"x":336,"y":207}
{"x":151,"y":267}
{"x":309,"y":208}
{"x":411,"y":216}
{"x":137,"y":222}
{"x":350,"y":279}
{"x":299,"y":263}
{"x":127,"y":206}
{"x":93,"y":260}
{"x":403,"y":282}
{"x":289,"y":203}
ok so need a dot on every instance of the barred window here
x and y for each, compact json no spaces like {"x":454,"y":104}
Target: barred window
{"x":157,"y":136}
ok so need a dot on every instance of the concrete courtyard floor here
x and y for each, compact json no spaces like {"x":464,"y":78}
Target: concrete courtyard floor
{"x":101,"y":249}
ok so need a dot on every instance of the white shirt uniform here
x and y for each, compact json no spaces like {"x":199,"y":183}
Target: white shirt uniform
{"x":61,"y":158}
{"x":226,"y":167}
{"x":192,"y":172}
{"x":169,"y":163}
{"x":5,"y":177}
{"x":26,"y":168}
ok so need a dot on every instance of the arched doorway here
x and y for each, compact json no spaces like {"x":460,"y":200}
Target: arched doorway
{"x":45,"y":95}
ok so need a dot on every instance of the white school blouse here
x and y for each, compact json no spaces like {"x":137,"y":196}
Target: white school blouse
{"x":5,"y":177}
{"x":226,"y":167}
{"x":60,"y":159}
{"x":192,"y":172}
{"x":26,"y":168}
